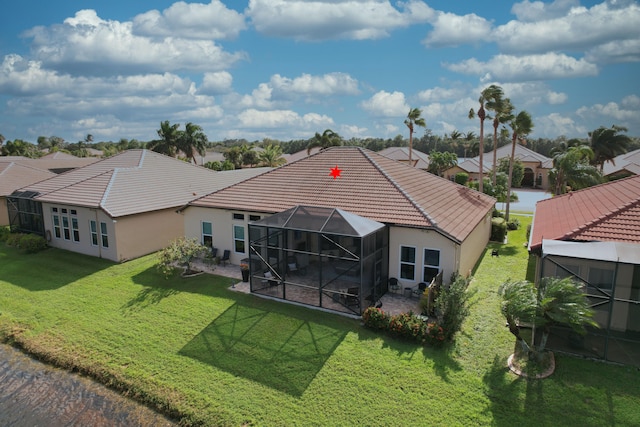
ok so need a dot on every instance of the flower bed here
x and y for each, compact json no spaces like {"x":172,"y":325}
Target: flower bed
{"x":406,"y":326}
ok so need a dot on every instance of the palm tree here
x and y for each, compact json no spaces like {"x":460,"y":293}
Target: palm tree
{"x":328,"y":139}
{"x":455,"y":136}
{"x":487,"y":94}
{"x":607,"y":143}
{"x":168,"y":142}
{"x":271,"y":156}
{"x":191,"y":141}
{"x":572,"y":169}
{"x":503,"y":113}
{"x":468,"y":142}
{"x":1,"y":141}
{"x":413,"y":119}
{"x":556,"y":301}
{"x":521,"y":125}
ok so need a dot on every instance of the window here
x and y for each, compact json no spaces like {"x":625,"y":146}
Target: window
{"x":104,"y":235}
{"x":238,"y":216}
{"x":94,"y":232}
{"x":64,"y":211}
{"x":254,"y":217}
{"x":207,"y":234}
{"x":65,"y":227}
{"x":75,"y":229}
{"x":54,"y":209}
{"x":407,"y":263}
{"x":56,"y":226}
{"x":238,"y":238}
{"x":431,"y":264}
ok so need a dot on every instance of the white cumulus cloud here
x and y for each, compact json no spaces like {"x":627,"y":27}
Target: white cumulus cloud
{"x":324,"y":20}
{"x":307,"y":84}
{"x":453,"y":30}
{"x":386,"y":104}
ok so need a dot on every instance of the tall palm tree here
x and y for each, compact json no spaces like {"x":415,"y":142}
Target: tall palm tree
{"x":168,"y":142}
{"x":572,"y":168}
{"x":413,"y":119}
{"x":521,"y":125}
{"x":487,"y":94}
{"x":328,"y":139}
{"x":191,"y":141}
{"x":271,"y":156}
{"x":503,"y":112}
{"x":455,"y":136}
{"x":468,"y":142}
{"x":607,"y":143}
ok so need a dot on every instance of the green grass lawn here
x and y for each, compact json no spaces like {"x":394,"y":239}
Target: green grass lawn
{"x":193,"y":348}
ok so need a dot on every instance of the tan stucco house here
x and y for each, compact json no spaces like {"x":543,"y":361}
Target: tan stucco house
{"x":123,"y":206}
{"x":14,"y":175}
{"x":415,"y":224}
{"x":536,"y":166}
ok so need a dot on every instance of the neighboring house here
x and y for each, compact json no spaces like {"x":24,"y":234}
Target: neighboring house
{"x":15,"y":175}
{"x":594,"y":235}
{"x":536,"y":166}
{"x":413,"y":223}
{"x":123,"y":206}
{"x":299,"y":155}
{"x":419,"y":159}
{"x":56,"y":162}
{"x":624,"y":165}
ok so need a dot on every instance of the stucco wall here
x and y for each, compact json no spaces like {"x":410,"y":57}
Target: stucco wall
{"x":4,"y":212}
{"x":84,"y":245}
{"x":473,"y":247}
{"x":421,"y":239}
{"x":138,"y":235}
{"x":222,"y":224}
{"x":128,"y":237}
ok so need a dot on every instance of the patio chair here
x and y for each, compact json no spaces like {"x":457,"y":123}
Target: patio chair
{"x":225,"y":257}
{"x":214,"y":252}
{"x":354,"y":297}
{"x":394,"y":286}
{"x":419,"y":290}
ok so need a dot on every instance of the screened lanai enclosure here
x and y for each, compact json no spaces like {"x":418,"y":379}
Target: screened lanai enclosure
{"x":322,"y":257}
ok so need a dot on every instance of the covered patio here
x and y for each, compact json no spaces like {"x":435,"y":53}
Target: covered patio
{"x":319,"y":256}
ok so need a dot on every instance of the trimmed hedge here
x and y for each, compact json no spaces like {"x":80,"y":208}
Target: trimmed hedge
{"x":29,"y":243}
{"x":498,"y":229}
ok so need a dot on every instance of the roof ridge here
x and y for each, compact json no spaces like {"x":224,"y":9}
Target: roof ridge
{"x":602,"y":218}
{"x":398,"y":187}
{"x":103,"y":200}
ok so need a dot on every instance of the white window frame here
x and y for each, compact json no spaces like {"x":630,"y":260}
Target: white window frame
{"x":401,"y":262}
{"x":104,"y":235}
{"x":93,"y":229}
{"x":66,"y":227}
{"x":57,"y":230}
{"x":236,"y":240}
{"x":75,"y":229}
{"x":424,"y":261}
{"x":203,"y":234}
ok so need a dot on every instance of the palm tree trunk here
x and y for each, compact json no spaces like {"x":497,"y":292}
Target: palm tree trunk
{"x":481,"y":178}
{"x":410,"y":145}
{"x":511,"y":161}
{"x":495,"y":148}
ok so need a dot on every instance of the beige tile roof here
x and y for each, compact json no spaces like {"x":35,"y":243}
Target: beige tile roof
{"x":370,"y":185}
{"x":15,"y":175}
{"x":420,"y":159}
{"x":136,"y":181}
{"x":606,"y":212}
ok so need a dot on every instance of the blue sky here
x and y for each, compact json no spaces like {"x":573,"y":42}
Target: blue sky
{"x":286,"y":69}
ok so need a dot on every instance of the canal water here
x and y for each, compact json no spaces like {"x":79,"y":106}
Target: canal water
{"x":34,"y":394}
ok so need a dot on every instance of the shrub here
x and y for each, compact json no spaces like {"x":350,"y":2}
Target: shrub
{"x":461,"y":178}
{"x":435,"y":334}
{"x":4,"y":233}
{"x":180,"y":251}
{"x":409,"y":326}
{"x":496,"y":213}
{"x":498,"y":229}
{"x":14,"y":239}
{"x":32,"y":243}
{"x":513,"y":224}
{"x":452,"y":305}
{"x":375,"y":318}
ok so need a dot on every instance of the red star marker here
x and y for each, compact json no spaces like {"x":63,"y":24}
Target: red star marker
{"x":335,"y":172}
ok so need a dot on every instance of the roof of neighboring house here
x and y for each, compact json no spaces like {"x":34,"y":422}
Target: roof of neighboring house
{"x":608,"y":212}
{"x":370,"y":185}
{"x":294,"y":157}
{"x":135,"y":181}
{"x":15,"y":175}
{"x":419,"y":159}
{"x":627,"y":162}
{"x":522,"y":153}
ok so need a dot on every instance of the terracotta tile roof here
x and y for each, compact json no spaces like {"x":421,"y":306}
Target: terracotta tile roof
{"x":15,"y":175}
{"x":135,"y":181}
{"x":370,"y":185}
{"x":607,"y":212}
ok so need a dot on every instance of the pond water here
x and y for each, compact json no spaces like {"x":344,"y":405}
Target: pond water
{"x":35,"y":394}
